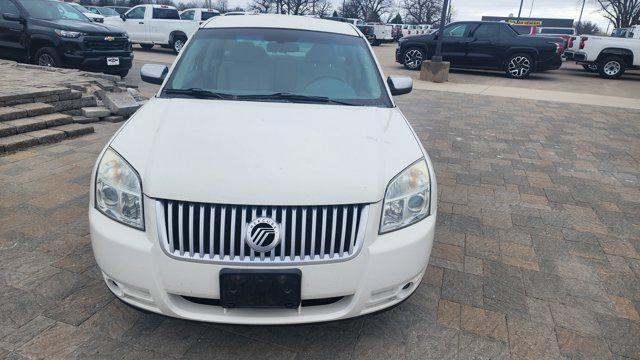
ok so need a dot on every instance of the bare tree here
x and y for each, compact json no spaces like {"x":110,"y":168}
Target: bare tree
{"x":321,"y":8}
{"x":421,"y":11}
{"x":263,"y":6}
{"x":587,"y":27}
{"x":621,"y":13}
{"x":221,"y":5}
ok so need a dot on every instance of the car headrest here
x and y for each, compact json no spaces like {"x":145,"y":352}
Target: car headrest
{"x":322,"y":53}
{"x":245,"y":51}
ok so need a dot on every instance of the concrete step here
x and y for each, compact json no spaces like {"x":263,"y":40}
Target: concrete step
{"x":39,"y":122}
{"x":35,"y":109}
{"x":42,"y":136}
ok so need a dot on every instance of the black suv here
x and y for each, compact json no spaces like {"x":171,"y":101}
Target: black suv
{"x":484,"y":45}
{"x":52,"y":33}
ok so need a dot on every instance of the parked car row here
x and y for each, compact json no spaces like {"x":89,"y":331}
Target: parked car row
{"x":484,"y":45}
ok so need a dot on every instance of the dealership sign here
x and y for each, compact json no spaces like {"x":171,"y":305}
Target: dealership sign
{"x":546,"y":22}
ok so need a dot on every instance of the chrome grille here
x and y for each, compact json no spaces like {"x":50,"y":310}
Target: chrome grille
{"x":216,"y":232}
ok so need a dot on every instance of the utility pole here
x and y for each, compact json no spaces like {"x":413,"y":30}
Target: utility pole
{"x":437,"y":56}
{"x":519,"y":11}
{"x":531,"y":9}
{"x":581,"y":10}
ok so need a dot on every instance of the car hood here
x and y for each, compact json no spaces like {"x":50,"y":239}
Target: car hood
{"x":266,"y":153}
{"x":82,"y":26}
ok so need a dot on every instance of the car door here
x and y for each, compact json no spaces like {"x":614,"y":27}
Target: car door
{"x":11,"y":31}
{"x":135,"y":25}
{"x":484,"y":49}
{"x":453,"y":42}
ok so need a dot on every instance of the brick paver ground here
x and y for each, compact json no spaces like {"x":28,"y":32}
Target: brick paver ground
{"x":537,"y":252}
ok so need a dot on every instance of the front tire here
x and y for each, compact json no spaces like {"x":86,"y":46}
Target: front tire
{"x":519,"y":66}
{"x":178,"y":43}
{"x":611,"y":67}
{"x":48,"y":57}
{"x":412,"y":58}
{"x":592,"y":68}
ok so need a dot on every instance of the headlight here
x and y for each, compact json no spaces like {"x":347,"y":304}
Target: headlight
{"x":68,"y":34}
{"x":407,"y":199}
{"x":119,"y":190}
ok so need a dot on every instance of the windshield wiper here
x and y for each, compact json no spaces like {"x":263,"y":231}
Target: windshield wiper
{"x":296,"y":98}
{"x":200,"y":93}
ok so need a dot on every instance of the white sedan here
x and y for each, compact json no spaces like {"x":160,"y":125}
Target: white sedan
{"x":271,"y":180}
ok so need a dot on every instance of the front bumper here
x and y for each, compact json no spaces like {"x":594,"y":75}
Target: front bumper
{"x":98,"y":62}
{"x":76,"y":53}
{"x":387,"y":270}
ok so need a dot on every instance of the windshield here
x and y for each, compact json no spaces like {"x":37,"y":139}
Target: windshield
{"x":81,"y":8}
{"x":108,"y":12}
{"x":52,"y":10}
{"x":252,"y":61}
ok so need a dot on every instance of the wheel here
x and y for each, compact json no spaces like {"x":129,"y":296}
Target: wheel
{"x":519,"y":66}
{"x":375,"y":42}
{"x":47,"y":56}
{"x":592,"y":68}
{"x":611,"y":67}
{"x":146,"y":46}
{"x":412,"y":58}
{"x":178,"y":43}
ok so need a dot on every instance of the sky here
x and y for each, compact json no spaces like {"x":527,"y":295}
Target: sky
{"x":475,"y":9}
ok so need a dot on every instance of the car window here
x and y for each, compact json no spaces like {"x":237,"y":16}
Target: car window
{"x":107,"y":12}
{"x":166,"y":14}
{"x":136,"y":13}
{"x":7,"y":7}
{"x":250,"y":61}
{"x":487,"y":31}
{"x":52,"y":10}
{"x":457,"y":30}
{"x":187,"y":15}
{"x":522,"y":29}
{"x":206,"y":15}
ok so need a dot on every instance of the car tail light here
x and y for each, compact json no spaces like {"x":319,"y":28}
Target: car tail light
{"x":559,"y":47}
{"x":582,"y":40}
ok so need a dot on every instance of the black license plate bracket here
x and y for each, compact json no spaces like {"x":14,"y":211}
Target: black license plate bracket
{"x":256,"y":288}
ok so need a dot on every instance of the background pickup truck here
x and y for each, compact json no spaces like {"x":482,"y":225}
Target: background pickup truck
{"x":609,"y":56}
{"x":198,"y":14}
{"x":150,"y":25}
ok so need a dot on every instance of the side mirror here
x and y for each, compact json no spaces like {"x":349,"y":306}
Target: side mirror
{"x":153,"y":73}
{"x":400,"y":85}
{"x":123,"y":17}
{"x":11,"y":17}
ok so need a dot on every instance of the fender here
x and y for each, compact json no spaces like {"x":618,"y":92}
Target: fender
{"x":40,"y":39}
{"x":625,"y":54}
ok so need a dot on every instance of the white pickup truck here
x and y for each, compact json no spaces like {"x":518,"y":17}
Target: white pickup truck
{"x":199,"y":14}
{"x":609,"y":56}
{"x":150,"y":25}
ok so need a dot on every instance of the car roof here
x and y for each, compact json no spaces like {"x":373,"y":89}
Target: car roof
{"x":282,"y":22}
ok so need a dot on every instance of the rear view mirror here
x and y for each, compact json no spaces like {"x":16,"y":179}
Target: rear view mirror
{"x":400,"y":85}
{"x":153,"y":73}
{"x":11,"y":17}
{"x":123,"y":17}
